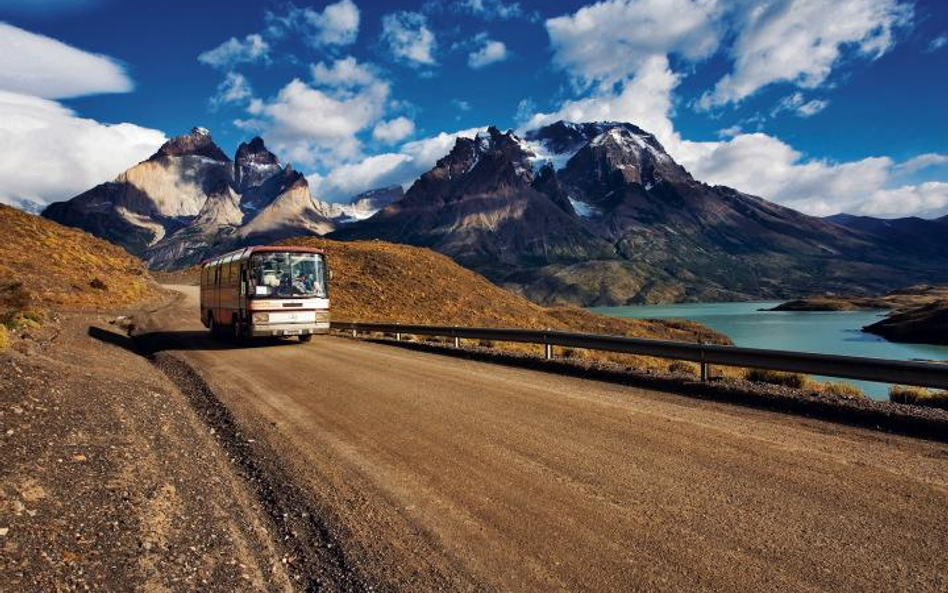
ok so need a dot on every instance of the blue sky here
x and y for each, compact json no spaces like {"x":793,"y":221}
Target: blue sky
{"x":825,"y":107}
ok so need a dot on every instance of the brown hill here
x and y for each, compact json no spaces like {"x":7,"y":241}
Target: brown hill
{"x":387,"y":282}
{"x":48,"y":264}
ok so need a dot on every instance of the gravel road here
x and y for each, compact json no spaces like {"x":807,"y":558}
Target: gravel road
{"x":437,"y":473}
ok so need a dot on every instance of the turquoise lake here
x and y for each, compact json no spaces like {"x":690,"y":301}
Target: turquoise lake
{"x":823,"y":332}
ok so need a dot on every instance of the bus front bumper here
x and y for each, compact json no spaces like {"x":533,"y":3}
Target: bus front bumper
{"x":288,"y":329}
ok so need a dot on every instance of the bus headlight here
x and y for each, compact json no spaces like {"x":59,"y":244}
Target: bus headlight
{"x":261,"y":318}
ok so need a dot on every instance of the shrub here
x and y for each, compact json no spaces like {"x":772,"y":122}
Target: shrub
{"x":918,"y":396}
{"x":680,"y":367}
{"x":98,"y":284}
{"x":14,"y":299}
{"x":841,"y":389}
{"x":794,"y":380}
{"x":485,"y":343}
{"x":4,"y":339}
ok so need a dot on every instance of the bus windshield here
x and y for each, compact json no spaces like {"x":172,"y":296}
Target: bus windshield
{"x":288,"y":275}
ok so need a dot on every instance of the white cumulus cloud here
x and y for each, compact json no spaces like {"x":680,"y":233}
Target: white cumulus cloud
{"x":801,"y":41}
{"x":311,"y":126}
{"x":41,"y":66}
{"x":252,"y":48}
{"x":335,"y":25}
{"x":489,"y":52}
{"x":235,"y":88}
{"x":408,"y":38}
{"x":54,"y":154}
{"x":393,"y":130}
{"x":343,"y":73}
{"x":402,"y":167}
{"x":611,"y":40}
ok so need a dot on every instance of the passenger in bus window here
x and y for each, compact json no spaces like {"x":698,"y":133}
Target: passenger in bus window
{"x":286,"y":285}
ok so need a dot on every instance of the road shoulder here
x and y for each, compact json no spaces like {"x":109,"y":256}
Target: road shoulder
{"x":110,"y":480}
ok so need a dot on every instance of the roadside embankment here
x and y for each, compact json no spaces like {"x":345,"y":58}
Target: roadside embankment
{"x":110,"y":481}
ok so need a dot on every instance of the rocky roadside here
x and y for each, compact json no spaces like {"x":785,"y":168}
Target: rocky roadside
{"x":109,"y":480}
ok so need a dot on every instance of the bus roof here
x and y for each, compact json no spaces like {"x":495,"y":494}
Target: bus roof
{"x":248,"y":251}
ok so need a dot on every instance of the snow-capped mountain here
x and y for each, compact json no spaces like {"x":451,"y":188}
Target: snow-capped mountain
{"x":600,"y":214}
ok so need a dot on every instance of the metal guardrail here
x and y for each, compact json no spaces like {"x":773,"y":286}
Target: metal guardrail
{"x":922,"y":374}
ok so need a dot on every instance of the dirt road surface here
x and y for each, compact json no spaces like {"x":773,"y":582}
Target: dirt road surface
{"x":436,"y":473}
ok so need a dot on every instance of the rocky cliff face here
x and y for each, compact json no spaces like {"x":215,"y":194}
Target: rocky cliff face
{"x":600,"y":214}
{"x":253,"y":165}
{"x":189,"y":200}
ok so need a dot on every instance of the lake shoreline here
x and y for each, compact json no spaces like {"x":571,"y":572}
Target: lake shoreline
{"x":754,"y":324}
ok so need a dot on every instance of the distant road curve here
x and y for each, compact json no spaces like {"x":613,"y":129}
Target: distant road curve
{"x":442,"y":473}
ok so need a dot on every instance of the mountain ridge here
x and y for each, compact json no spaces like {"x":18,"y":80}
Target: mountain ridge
{"x":638,"y":227}
{"x":594,"y":213}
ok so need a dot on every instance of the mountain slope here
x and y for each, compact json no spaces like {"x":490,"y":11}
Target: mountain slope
{"x":600,"y":214}
{"x":57,"y":265}
{"x":926,"y":238}
{"x":386,"y":282}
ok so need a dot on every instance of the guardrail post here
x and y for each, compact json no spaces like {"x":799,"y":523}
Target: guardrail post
{"x":355,"y":333}
{"x":457,"y":342}
{"x":704,"y":371}
{"x":547,"y":347}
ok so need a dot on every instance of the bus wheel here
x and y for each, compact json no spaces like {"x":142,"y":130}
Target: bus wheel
{"x":306,"y":337}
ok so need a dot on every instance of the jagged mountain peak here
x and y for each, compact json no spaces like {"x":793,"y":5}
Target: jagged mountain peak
{"x":254,"y":164}
{"x":197,"y":142}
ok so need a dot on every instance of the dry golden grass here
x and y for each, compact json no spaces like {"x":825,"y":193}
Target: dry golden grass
{"x":51,"y":265}
{"x":4,"y":338}
{"x":794,"y":380}
{"x":838,"y":389}
{"x":918,"y":396}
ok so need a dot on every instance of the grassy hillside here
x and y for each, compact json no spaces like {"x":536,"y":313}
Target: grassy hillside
{"x":44,"y":264}
{"x":386,"y":282}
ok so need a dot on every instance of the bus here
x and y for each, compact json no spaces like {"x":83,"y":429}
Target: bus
{"x":266,"y":291}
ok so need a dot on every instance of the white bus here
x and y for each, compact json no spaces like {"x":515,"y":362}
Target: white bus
{"x":266,"y":291}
